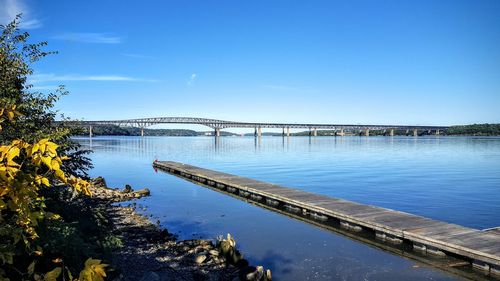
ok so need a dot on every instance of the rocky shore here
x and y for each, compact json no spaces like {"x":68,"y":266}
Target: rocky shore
{"x":151,"y":253}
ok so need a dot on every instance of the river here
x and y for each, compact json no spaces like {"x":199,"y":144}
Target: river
{"x":453,"y":179}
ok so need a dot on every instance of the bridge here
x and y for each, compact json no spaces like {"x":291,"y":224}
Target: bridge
{"x":218,"y":125}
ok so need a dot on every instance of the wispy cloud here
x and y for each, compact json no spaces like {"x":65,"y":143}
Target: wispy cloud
{"x":11,"y":8}
{"x":40,"y":78}
{"x":191,"y":79}
{"x":46,"y":87}
{"x":89,"y":37}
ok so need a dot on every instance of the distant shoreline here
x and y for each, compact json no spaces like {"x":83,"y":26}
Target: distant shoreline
{"x":112,"y":130}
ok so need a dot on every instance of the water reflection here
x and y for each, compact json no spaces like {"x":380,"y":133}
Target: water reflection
{"x":450,"y":179}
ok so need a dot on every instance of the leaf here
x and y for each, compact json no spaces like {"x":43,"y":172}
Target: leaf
{"x":55,"y":165}
{"x":35,"y":148}
{"x":52,"y":275}
{"x":45,"y":181}
{"x":47,"y":161}
{"x":31,"y":268}
{"x":10,"y":115}
{"x":51,"y":147}
{"x":93,"y":271}
{"x":89,"y":262}
{"x":13,"y":152}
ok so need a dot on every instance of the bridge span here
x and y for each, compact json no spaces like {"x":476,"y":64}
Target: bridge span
{"x":218,"y":125}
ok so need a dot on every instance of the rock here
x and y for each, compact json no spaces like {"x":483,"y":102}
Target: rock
{"x":257,"y":275}
{"x":214,"y":253}
{"x":150,"y":276}
{"x":234,"y":256}
{"x":127,"y":189}
{"x":225,"y":247}
{"x":99,"y":182}
{"x":165,"y":234}
{"x":142,"y":192}
{"x":269,"y":277}
{"x":200,"y":259}
{"x":231,"y":240}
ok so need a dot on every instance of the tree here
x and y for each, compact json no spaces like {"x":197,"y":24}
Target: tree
{"x":36,"y":114}
{"x":31,"y":160}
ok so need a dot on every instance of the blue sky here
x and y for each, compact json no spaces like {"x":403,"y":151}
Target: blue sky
{"x":389,"y":62}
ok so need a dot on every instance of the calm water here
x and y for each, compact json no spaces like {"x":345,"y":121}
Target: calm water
{"x":454,"y":179}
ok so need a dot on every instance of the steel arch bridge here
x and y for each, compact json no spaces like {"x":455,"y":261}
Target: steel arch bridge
{"x":217,"y":125}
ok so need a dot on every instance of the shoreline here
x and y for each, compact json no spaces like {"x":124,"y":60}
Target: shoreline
{"x":149,"y":252}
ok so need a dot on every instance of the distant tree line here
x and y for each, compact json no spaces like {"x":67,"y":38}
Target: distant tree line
{"x":113,"y":130}
{"x":475,"y":130}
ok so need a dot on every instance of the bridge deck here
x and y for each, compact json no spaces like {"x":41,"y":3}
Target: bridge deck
{"x":481,"y":248}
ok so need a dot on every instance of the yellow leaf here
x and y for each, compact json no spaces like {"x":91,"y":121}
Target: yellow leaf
{"x":55,"y":165}
{"x":99,"y":269}
{"x":45,"y":181}
{"x":35,"y":148}
{"x":51,"y":147}
{"x":47,"y":161}
{"x":52,"y":275}
{"x":89,"y":262}
{"x":13,"y":152}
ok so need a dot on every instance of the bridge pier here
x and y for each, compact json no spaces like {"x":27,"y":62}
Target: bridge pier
{"x":142,"y":132}
{"x":283,"y":133}
{"x":217,"y":132}
{"x":391,"y":132}
{"x":437,"y":132}
{"x":415,"y":132}
{"x":367,"y":132}
{"x":259,"y":132}
{"x":314,"y":132}
{"x":341,"y":133}
{"x":287,"y":131}
{"x":90,"y":131}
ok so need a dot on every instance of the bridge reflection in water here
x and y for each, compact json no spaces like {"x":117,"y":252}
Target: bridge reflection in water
{"x":218,"y":125}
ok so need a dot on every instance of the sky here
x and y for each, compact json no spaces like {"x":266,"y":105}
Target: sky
{"x":358,"y":62}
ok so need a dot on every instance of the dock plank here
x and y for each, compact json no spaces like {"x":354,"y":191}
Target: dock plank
{"x":482,"y":245}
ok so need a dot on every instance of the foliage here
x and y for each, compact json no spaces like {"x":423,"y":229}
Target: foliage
{"x":30,"y":162}
{"x":93,"y":271}
{"x":113,"y":130}
{"x":36,"y":114}
{"x":84,"y":230}
{"x":475,"y":129}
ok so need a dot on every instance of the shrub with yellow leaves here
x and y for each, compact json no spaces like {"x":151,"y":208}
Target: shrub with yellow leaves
{"x":33,"y":160}
{"x":25,"y":168}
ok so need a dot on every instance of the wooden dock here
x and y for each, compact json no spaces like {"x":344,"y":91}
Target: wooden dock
{"x":479,"y":248}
